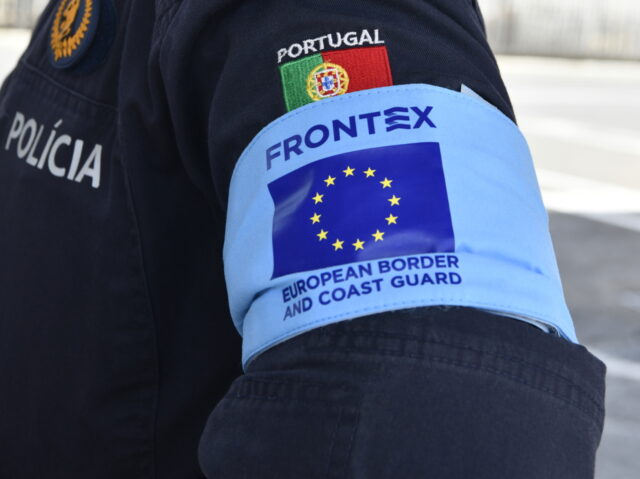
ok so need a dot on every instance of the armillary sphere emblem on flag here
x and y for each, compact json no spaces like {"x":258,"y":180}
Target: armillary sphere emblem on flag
{"x":327,"y":80}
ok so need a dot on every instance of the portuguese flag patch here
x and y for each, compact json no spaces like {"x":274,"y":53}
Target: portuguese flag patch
{"x":334,"y":73}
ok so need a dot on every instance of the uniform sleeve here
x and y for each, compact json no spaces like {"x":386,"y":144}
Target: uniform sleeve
{"x":223,"y":61}
{"x":361,"y":157}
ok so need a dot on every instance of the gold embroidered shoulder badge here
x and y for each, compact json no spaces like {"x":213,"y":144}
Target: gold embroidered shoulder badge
{"x":74,"y":27}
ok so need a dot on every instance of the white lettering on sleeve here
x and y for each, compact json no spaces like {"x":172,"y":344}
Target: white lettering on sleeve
{"x":16,"y":129}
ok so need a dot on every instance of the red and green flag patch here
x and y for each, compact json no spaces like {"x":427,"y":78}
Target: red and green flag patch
{"x":334,"y":73}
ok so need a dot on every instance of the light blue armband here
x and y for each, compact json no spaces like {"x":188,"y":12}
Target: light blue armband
{"x":381,"y":200}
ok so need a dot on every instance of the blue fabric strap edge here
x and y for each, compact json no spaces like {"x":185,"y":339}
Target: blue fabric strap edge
{"x":504,"y":247}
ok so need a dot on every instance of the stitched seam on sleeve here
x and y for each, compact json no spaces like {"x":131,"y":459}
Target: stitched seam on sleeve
{"x":463,"y":347}
{"x":172,"y":12}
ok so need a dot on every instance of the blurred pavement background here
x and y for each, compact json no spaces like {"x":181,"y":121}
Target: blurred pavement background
{"x":582,"y":120}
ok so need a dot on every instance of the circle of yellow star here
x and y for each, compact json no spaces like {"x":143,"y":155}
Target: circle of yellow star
{"x":322,"y":235}
{"x":338,"y":244}
{"x":391,"y":220}
{"x":378,"y":235}
{"x":395,"y":201}
{"x":386,"y":183}
{"x":358,"y":244}
{"x":315,"y":218}
{"x":318,"y":198}
{"x":331,"y":181}
{"x":370,"y":173}
{"x":349,"y":171}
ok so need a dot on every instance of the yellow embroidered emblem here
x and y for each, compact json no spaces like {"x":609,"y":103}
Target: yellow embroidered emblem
{"x":327,"y":80}
{"x":74,"y":26}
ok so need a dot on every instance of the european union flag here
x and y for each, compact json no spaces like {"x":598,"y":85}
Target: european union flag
{"x":360,"y":206}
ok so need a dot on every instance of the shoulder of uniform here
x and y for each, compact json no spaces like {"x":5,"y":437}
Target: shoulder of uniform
{"x":165,"y":9}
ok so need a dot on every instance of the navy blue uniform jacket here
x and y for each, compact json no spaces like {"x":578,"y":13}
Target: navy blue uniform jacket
{"x":115,"y":335}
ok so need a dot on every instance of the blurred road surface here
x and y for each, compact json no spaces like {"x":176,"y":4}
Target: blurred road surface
{"x":12,"y":43}
{"x":582,"y":120}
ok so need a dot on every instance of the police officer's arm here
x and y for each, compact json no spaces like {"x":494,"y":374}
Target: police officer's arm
{"x":361,"y":157}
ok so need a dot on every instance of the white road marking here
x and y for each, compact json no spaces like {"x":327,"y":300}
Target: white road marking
{"x":621,"y":141}
{"x":630,"y":300}
{"x":618,"y":367}
{"x":528,"y":96}
{"x":620,"y":428}
{"x":596,"y":200}
{"x":15,"y":39}
{"x":12,"y":44}
{"x":535,"y":68}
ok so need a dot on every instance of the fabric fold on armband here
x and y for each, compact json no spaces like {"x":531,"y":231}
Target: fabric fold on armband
{"x":386,"y":199}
